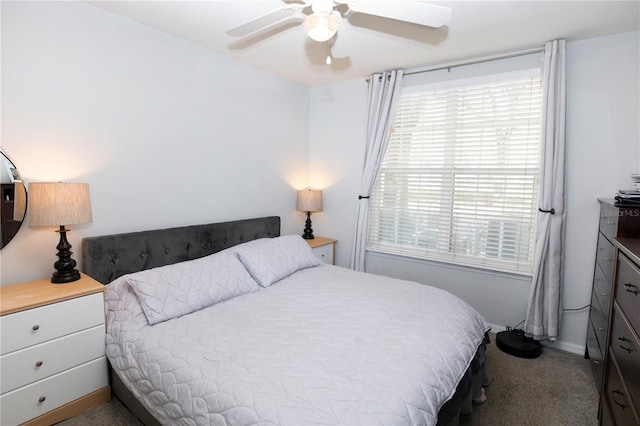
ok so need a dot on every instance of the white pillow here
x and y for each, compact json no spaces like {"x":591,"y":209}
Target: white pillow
{"x":271,"y":259}
{"x":174,"y":290}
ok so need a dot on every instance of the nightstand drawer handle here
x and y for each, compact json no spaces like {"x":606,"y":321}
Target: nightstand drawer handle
{"x":35,"y":327}
{"x":630,"y":288}
{"x":38,"y":363}
{"x":41,"y":399}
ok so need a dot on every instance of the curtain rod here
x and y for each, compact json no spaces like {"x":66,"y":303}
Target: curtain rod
{"x":478,"y":60}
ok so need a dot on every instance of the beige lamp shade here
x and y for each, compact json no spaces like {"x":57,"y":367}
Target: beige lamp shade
{"x":309,"y":200}
{"x":19,"y":201}
{"x":57,"y":204}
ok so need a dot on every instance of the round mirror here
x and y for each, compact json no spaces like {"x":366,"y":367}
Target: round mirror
{"x":13,"y":205}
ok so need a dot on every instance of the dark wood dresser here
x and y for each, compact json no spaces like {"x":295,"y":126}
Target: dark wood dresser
{"x":613,"y":345}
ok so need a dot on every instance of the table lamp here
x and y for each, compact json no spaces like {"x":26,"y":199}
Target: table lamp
{"x":309,"y":200}
{"x":60,"y":204}
{"x":19,"y":201}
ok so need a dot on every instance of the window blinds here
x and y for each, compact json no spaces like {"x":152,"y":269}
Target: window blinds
{"x":459,"y":179}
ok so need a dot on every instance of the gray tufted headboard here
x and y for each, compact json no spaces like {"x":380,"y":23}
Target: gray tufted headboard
{"x":107,"y":257}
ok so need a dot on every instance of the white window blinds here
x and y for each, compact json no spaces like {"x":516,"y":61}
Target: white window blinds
{"x":459,"y":179}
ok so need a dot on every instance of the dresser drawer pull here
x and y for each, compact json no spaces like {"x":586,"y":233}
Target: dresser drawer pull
{"x":626,"y":349}
{"x":617,"y":392}
{"x":35,"y":327}
{"x":624,"y":340}
{"x":41,"y":399}
{"x":600,"y":329}
{"x":604,"y":294}
{"x":630,"y":288}
{"x":606,"y":259}
{"x":38,"y":363}
{"x":596,"y":362}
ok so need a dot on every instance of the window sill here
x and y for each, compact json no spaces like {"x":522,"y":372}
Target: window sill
{"x":451,"y":265}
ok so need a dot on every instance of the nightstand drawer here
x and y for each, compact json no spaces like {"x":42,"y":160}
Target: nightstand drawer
{"x":38,"y":325}
{"x":324,"y":253}
{"x":38,"y":398}
{"x":37,"y":362}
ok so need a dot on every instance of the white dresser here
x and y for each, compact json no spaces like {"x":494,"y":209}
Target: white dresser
{"x":323,"y":248}
{"x":52,"y":351}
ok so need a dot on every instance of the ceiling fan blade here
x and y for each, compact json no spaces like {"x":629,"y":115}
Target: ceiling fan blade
{"x":341,"y":47}
{"x":404,"y":10}
{"x":261,"y":22}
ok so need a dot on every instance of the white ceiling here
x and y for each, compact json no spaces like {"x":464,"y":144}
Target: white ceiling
{"x":476,"y":28}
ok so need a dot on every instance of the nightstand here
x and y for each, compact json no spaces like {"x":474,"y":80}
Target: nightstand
{"x":52,"y":352}
{"x":324,"y":249}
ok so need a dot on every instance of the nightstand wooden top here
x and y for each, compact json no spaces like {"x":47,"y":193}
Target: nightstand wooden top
{"x":20,"y":297}
{"x":320,"y":241}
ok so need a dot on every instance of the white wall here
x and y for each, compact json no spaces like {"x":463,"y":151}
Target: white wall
{"x":336,"y":157}
{"x":602,"y":150}
{"x":166,"y":133}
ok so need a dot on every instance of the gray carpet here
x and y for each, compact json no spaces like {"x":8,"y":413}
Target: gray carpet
{"x":556,"y":389}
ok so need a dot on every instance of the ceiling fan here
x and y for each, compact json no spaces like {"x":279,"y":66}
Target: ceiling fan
{"x":325,"y":20}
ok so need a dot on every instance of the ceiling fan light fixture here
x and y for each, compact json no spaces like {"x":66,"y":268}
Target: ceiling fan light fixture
{"x":321,"y":27}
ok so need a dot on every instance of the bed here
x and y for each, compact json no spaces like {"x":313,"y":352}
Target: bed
{"x":232,"y":323}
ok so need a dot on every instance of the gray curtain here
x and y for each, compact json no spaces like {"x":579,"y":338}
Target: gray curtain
{"x":384,"y":93}
{"x":544,"y":306}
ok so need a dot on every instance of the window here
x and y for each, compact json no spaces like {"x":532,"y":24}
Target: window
{"x":460,"y":176}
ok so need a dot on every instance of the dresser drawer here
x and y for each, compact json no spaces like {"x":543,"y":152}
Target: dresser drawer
{"x":602,"y":288}
{"x":606,"y":418}
{"x":36,"y":362}
{"x":617,"y":396}
{"x":604,"y":256}
{"x":628,"y":290}
{"x":40,"y":397}
{"x":596,"y":355}
{"x":38,"y":325}
{"x":599,"y":319}
{"x":626,"y":349}
{"x":609,"y":215}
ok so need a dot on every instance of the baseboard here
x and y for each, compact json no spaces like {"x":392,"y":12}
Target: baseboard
{"x":565,"y":346}
{"x":558,"y":344}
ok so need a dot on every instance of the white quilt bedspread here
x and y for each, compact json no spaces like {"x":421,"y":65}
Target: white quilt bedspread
{"x":326,"y":345}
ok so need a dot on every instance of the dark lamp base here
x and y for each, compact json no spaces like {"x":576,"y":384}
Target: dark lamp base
{"x":65,"y":266}
{"x":65,"y":277}
{"x":308,"y":232}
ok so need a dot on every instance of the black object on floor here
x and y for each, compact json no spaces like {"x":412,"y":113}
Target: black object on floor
{"x":515,"y":343}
